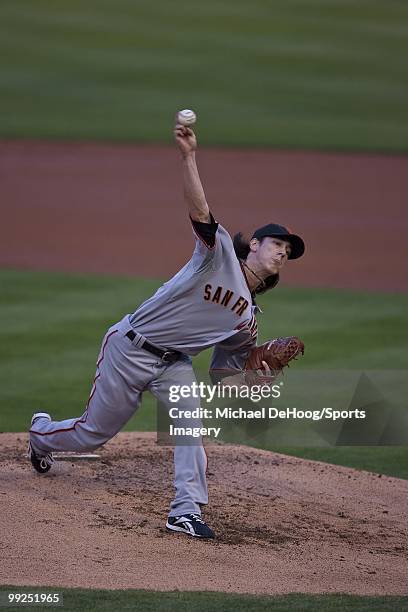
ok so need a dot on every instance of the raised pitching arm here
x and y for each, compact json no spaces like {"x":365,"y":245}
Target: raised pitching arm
{"x":193,"y":190}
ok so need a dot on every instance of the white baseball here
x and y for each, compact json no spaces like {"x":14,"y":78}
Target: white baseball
{"x":186,"y":117}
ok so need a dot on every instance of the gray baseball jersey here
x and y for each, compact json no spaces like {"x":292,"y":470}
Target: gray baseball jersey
{"x":206,"y":303}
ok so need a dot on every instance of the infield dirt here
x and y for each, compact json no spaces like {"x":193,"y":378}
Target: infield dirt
{"x":283,"y":524}
{"x":118,"y":209}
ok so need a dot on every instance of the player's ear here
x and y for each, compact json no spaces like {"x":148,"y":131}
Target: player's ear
{"x":254,"y":244}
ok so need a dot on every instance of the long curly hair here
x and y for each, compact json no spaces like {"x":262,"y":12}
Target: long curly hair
{"x":242,"y":250}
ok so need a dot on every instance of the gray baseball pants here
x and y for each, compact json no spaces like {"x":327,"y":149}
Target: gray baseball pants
{"x":123,"y":372}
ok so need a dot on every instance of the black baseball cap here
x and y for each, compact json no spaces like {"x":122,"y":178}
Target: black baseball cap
{"x":280,"y":231}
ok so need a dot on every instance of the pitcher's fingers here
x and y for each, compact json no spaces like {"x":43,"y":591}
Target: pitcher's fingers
{"x":267,"y":369}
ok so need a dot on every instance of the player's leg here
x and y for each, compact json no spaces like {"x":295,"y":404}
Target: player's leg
{"x":190,"y":459}
{"x":121,"y":375}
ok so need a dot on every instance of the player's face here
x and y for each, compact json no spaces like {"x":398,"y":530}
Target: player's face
{"x":272,"y":254}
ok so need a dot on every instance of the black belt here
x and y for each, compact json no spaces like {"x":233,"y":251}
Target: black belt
{"x":167,"y":356}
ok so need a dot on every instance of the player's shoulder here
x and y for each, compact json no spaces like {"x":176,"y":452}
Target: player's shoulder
{"x":224,"y":234}
{"x":212,"y":232}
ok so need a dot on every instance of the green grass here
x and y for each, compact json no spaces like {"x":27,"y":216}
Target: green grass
{"x":327,"y":74}
{"x":51,"y":327}
{"x":146,"y":601}
{"x":389,"y":460}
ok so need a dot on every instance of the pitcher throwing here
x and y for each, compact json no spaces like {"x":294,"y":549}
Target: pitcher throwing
{"x":209,"y":302}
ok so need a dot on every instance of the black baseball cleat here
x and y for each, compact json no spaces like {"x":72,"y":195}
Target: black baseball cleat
{"x":41,"y":463}
{"x":190,"y":524}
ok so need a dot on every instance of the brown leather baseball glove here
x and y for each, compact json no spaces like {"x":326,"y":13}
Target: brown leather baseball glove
{"x":276,"y":354}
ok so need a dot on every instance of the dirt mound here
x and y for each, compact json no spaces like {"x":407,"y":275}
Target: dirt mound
{"x":283,"y":524}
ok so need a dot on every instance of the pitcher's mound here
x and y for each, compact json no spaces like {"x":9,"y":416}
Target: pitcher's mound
{"x":283,"y":524}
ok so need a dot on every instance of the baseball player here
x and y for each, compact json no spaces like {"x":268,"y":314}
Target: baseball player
{"x":209,"y":302}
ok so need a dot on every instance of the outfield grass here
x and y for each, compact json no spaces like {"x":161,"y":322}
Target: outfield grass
{"x":81,"y":599}
{"x":389,"y":460}
{"x":327,"y":74}
{"x":51,"y":326}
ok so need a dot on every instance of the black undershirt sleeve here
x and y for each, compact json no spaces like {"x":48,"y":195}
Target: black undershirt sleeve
{"x":206,"y":231}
